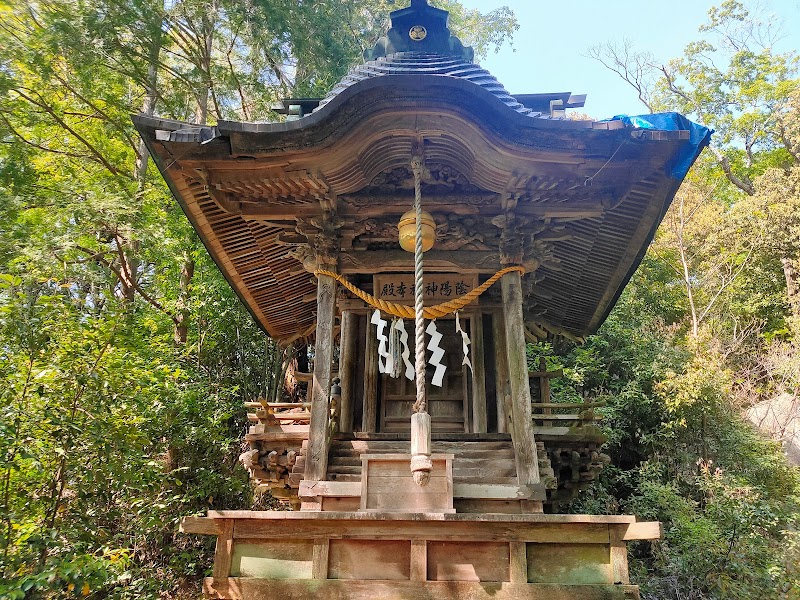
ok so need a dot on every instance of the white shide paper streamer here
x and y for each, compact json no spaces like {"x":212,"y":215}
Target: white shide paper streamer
{"x":464,"y":343}
{"x":437,"y":354}
{"x":384,"y":358}
{"x":401,"y":327}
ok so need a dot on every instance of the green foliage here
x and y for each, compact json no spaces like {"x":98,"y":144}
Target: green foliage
{"x":709,"y":328}
{"x":126,"y":357}
{"x":732,"y":80}
{"x":681,"y":454}
{"x":109,"y":435}
{"x":706,"y":329}
{"x":124,"y":354}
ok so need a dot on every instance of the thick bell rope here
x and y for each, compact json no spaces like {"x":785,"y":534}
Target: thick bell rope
{"x":421,"y":464}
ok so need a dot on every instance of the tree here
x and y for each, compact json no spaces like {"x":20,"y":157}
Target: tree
{"x":732,"y":80}
{"x":124,"y":354}
{"x":710,"y":326}
{"x":776,"y":203}
{"x":696,"y":242}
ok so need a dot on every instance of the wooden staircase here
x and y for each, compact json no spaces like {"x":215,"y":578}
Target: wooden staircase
{"x":485,"y":462}
{"x":484,"y":471}
{"x":568,"y":446}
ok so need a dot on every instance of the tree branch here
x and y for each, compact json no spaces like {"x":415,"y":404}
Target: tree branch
{"x":133,"y":283}
{"x":743,"y":183}
{"x":28,"y":142}
{"x":105,"y":117}
{"x":630,"y":67}
{"x":50,"y":111}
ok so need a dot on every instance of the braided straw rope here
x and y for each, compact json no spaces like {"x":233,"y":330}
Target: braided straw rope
{"x":430,"y":312}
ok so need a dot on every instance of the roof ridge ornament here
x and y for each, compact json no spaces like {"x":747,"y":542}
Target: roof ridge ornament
{"x":420,"y":27}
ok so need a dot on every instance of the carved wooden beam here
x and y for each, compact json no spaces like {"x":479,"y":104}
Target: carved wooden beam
{"x":380,"y":261}
{"x":365,"y":207}
{"x":288,"y":212}
{"x":511,"y":227}
{"x":562,"y":210}
{"x":394,"y":206}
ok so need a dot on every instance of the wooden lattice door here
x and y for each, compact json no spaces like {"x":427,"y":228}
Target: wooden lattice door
{"x":448,"y":405}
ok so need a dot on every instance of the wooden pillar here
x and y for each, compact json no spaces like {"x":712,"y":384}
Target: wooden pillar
{"x":369,"y":415}
{"x":544,"y":377}
{"x":544,"y":383}
{"x":518,"y":562}
{"x":502,"y":379}
{"x":320,"y":558}
{"x":319,"y":429}
{"x":419,"y":560}
{"x":479,"y":420}
{"x":347,"y":359}
{"x":522,"y":418}
{"x":223,"y":554}
{"x":619,"y":556}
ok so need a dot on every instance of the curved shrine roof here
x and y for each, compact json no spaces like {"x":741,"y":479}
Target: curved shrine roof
{"x":588,"y":195}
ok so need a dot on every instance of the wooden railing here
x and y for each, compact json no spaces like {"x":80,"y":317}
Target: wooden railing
{"x":570,"y":414}
{"x":276,"y":413}
{"x":271,"y":414}
{"x":576,"y":414}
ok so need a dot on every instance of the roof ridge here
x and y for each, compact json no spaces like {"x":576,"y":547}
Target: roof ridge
{"x":426,"y":63}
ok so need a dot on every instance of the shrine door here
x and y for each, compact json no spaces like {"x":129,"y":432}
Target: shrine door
{"x":448,"y":405}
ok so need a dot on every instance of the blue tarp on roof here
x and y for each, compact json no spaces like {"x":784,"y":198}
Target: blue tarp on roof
{"x":699,"y":136}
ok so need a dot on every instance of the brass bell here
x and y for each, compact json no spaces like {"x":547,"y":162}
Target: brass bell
{"x":408,"y":231}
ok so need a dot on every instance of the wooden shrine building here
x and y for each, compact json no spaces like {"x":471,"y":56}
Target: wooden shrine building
{"x":302,"y":219}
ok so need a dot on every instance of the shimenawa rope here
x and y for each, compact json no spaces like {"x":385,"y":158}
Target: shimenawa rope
{"x":431,"y":312}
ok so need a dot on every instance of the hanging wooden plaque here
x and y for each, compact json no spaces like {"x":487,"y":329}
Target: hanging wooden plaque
{"x":439,"y":287}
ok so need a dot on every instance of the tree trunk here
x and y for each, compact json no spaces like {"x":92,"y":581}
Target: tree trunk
{"x":130,"y":271}
{"x":128,"y":266}
{"x":182,"y":314}
{"x":148,"y":107}
{"x":792,"y":284}
{"x":204,"y":91}
{"x":687,"y":279}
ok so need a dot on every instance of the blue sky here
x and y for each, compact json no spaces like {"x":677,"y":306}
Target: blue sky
{"x":549,"y":48}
